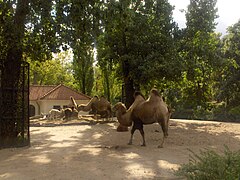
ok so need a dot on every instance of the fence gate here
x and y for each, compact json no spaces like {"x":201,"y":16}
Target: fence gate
{"x":14,"y":110}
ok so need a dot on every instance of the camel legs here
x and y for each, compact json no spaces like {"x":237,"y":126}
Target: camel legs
{"x":165,"y":133}
{"x":164,"y":129}
{"x":143,"y":137}
{"x":161,"y":145}
{"x":131,"y":138}
{"x":137,"y":125}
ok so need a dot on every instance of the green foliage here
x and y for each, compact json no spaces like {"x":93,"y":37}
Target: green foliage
{"x":138,"y":45}
{"x":83,"y":69}
{"x":135,"y":38}
{"x":211,"y":165}
{"x":52,"y":72}
{"x":229,"y":82}
{"x":235,"y":111}
{"x":201,"y":15}
{"x":6,"y":18}
{"x":232,"y":113}
{"x":201,"y":49}
{"x":79,"y":24}
{"x":41,"y":34}
{"x":107,"y":84}
{"x":202,"y":113}
{"x":38,"y":34}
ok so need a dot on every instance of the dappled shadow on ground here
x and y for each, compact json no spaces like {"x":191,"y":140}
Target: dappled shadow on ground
{"x":97,"y":151}
{"x":205,"y":134}
{"x":61,"y":122}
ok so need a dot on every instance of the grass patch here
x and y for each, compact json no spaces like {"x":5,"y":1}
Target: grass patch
{"x":209,"y":165}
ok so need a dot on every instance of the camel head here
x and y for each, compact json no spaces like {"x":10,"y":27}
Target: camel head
{"x":119,"y":107}
{"x":123,"y":116}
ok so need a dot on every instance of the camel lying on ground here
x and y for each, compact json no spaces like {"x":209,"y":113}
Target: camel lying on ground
{"x":55,"y":113}
{"x":65,"y":113}
{"x":70,"y":113}
{"x":145,"y":112}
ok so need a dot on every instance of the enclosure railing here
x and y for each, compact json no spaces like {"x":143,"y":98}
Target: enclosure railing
{"x":14,"y":110}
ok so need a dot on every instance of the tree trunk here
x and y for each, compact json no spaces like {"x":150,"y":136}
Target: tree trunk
{"x":128,"y":85}
{"x":9,"y":83}
{"x":10,"y":74}
{"x":106,"y":83}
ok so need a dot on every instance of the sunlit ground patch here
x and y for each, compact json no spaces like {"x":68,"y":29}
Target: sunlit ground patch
{"x":5,"y":176}
{"x":167,"y":165}
{"x":137,"y":170}
{"x":41,"y":158}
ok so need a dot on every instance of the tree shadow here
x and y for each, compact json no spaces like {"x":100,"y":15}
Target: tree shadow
{"x":96,"y":151}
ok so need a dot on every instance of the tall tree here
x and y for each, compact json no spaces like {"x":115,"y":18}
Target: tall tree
{"x":79,"y":27}
{"x":201,"y":51}
{"x":139,"y":37}
{"x":12,"y":35}
{"x":25,"y":28}
{"x":230,"y":84}
{"x":83,"y":68}
{"x":41,"y":38}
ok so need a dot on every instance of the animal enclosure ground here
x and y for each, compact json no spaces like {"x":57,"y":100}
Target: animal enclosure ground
{"x":81,"y":149}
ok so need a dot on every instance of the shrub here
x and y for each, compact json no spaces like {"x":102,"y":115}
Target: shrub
{"x":235,"y":111}
{"x":203,"y":114}
{"x":211,"y":165}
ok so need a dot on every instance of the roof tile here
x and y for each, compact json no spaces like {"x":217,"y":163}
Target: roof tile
{"x":59,"y":92}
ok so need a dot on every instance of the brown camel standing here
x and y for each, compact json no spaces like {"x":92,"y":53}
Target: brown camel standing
{"x":143,"y":112}
{"x":154,"y":109}
{"x":97,"y":105}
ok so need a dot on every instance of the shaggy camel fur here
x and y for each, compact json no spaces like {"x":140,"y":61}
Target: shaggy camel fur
{"x":98,"y":106}
{"x":70,"y":113}
{"x":144,"y":112}
{"x":123,"y":115}
{"x":54,"y":114}
{"x":102,"y":107}
{"x":83,"y":107}
{"x":154,"y":109}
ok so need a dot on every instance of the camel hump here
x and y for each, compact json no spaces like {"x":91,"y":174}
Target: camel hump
{"x":155,"y":92}
{"x":94,"y":99}
{"x":102,"y":98}
{"x":138,"y":93}
{"x":119,"y":106}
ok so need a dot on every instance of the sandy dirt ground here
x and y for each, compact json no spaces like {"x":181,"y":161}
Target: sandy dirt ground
{"x":83,"y":149}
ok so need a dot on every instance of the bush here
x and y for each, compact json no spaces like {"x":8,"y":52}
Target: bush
{"x":211,"y":165}
{"x":203,"y":114}
{"x":222,"y":113}
{"x":235,"y":112}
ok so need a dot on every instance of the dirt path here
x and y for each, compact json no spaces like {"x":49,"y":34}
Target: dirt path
{"x":85,"y":150}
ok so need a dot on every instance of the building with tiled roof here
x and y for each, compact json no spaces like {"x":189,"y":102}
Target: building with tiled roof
{"x":46,"y":97}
